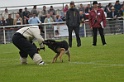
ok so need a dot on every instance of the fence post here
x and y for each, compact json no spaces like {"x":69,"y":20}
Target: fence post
{"x":45,"y":32}
{"x":4,"y":35}
{"x":85,"y":30}
{"x":123,"y":22}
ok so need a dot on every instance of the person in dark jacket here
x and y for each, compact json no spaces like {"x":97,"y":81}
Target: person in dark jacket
{"x":73,"y":22}
{"x":113,"y":15}
{"x":10,"y":31}
{"x":97,"y":21}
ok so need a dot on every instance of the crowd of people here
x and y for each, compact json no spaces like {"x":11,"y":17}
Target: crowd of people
{"x":36,"y":16}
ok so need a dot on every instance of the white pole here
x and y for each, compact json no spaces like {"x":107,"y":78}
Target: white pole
{"x":4,"y":35}
{"x":85,"y":30}
{"x":45,"y":32}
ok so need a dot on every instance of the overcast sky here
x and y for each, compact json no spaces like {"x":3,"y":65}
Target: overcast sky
{"x":4,"y":3}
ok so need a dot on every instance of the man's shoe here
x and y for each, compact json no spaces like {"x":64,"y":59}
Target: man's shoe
{"x":70,"y":46}
{"x":94,"y":45}
{"x":41,"y":63}
{"x":78,"y":45}
{"x":104,"y":44}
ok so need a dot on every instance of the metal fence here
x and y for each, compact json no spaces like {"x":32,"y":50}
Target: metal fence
{"x":58,"y":30}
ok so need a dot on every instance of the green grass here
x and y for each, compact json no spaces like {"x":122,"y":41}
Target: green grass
{"x":88,"y":63}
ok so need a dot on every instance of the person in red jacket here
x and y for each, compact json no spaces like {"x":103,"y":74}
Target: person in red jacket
{"x":97,"y":21}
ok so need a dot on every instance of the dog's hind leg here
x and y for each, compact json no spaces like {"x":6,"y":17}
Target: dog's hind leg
{"x":62,"y":51}
{"x":68,"y":53}
{"x":55,"y":58}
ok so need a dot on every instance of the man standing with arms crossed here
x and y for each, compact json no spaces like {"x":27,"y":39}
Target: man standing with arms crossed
{"x":73,"y":22}
{"x":97,"y":21}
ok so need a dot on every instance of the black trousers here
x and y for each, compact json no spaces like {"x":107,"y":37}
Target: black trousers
{"x":24,"y":46}
{"x":76,"y":30}
{"x":101,"y":32}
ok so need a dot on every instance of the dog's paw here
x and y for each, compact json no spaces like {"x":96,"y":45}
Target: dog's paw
{"x":62,"y":60}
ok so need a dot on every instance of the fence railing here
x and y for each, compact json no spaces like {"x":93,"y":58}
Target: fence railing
{"x":57,"y":30}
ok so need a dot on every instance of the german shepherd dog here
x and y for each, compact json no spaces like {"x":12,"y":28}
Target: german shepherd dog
{"x":59,"y":47}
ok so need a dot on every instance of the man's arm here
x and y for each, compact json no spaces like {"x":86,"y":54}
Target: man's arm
{"x":67,"y":18}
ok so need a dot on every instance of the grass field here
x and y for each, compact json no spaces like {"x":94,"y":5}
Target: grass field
{"x":88,"y":63}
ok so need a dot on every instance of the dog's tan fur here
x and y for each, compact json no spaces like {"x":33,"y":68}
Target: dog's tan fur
{"x":62,"y":51}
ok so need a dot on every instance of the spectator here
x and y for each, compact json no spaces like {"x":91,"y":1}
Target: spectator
{"x":18,"y":20}
{"x":113,"y":15}
{"x":52,"y":15}
{"x":121,"y":19}
{"x":10,"y":30}
{"x":52,"y":10}
{"x":121,"y":11}
{"x":117,"y":6}
{"x":88,"y":9}
{"x":3,"y":22}
{"x":50,"y":29}
{"x":100,"y":5}
{"x":34,"y":10}
{"x":65,"y":9}
{"x":20,"y":13}
{"x":34,"y":20}
{"x":108,"y":8}
{"x":63,"y":16}
{"x":58,"y":18}
{"x":81,"y":8}
{"x":42,"y":14}
{"x":96,"y":17}
{"x":73,"y":22}
{"x":122,"y":4}
{"x":5,"y":14}
{"x":82,"y":20}
{"x":9,"y":20}
{"x":25,"y":16}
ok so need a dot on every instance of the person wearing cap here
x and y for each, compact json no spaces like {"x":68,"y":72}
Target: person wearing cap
{"x":112,"y":15}
{"x":97,"y":21}
{"x":23,"y":40}
{"x":73,"y":23}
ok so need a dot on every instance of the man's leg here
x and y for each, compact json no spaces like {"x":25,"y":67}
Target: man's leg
{"x":94,"y":36}
{"x":70,"y":36}
{"x":23,"y":57}
{"x":76,"y":29}
{"x":23,"y":45}
{"x":101,"y":31}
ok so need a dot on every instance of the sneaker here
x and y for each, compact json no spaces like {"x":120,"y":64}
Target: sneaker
{"x":104,"y":44}
{"x":94,"y":44}
{"x":79,"y":45}
{"x":41,"y":63}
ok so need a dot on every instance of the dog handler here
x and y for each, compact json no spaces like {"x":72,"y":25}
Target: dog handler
{"x":23,"y":40}
{"x":97,"y":21}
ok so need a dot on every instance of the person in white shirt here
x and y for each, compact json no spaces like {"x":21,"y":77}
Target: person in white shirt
{"x":23,"y":40}
{"x":5,"y":14}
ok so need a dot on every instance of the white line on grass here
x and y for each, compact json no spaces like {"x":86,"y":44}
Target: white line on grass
{"x":98,"y":64}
